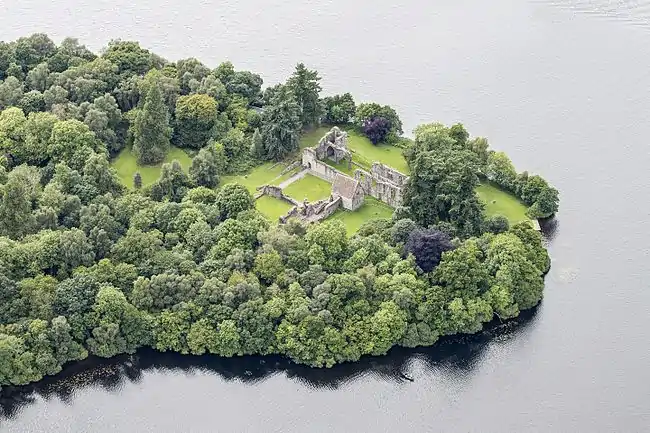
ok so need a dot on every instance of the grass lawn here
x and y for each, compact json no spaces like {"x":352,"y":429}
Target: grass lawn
{"x":372,"y":209}
{"x":342,"y":167}
{"x":311,"y":138}
{"x":126,"y":166}
{"x":498,"y":201}
{"x":310,"y":187}
{"x":271,"y":207}
{"x":260,"y":175}
{"x":364,"y":152}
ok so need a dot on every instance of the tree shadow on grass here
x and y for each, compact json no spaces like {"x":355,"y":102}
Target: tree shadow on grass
{"x":458,"y":355}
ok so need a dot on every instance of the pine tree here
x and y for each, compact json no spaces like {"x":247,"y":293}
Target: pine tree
{"x":151,"y":129}
{"x":257,"y":146}
{"x":306,"y":88}
{"x":281,"y":125}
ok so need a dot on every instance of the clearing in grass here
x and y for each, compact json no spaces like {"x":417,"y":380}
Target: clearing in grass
{"x":272,"y":208}
{"x":501,"y":202}
{"x":264,"y":174}
{"x":372,"y":209}
{"x":309,"y":187}
{"x":126,"y":166}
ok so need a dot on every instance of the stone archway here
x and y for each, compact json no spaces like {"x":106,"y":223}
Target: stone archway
{"x":330,"y":153}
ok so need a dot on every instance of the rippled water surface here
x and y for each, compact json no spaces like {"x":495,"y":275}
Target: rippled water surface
{"x":562,"y":86}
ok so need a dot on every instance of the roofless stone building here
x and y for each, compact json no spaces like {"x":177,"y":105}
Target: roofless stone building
{"x":348,"y":192}
{"x":381,"y":182}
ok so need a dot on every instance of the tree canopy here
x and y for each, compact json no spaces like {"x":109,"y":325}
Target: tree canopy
{"x":188,"y":265}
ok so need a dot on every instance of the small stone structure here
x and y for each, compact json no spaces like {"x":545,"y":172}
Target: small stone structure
{"x":349,"y":190}
{"x":317,"y":167}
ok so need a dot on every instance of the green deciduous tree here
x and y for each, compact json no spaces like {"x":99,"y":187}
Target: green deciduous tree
{"x":339,"y":109}
{"x":442,"y":188}
{"x":172,"y":184}
{"x":72,"y":142}
{"x":116,"y":325}
{"x":31,"y":50}
{"x":18,"y":199}
{"x":11,"y":92}
{"x":129,"y":57}
{"x":368,"y":112}
{"x":196,"y":116}
{"x":204,"y":168}
{"x":501,"y":171}
{"x":232,"y":199}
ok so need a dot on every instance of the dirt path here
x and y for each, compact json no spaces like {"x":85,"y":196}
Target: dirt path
{"x":293,"y":178}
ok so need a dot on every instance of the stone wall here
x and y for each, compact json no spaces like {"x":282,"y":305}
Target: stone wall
{"x":318,"y":168}
{"x":385,"y":173}
{"x":275,"y":191}
{"x":383,"y":183}
{"x":387,"y":192}
{"x":313,"y":212}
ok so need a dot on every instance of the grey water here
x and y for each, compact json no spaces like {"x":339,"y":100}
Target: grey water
{"x":562,"y":86}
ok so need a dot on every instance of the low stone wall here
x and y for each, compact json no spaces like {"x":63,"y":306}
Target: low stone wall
{"x":330,"y":208}
{"x":275,"y":191}
{"x":313,"y":212}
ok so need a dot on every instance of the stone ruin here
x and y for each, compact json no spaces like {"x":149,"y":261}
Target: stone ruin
{"x":274,"y":191}
{"x":334,"y":146}
{"x":383,"y":183}
{"x":313,"y":212}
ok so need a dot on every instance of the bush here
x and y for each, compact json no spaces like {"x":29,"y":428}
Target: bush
{"x":376,"y":129}
{"x":339,"y":109}
{"x":427,"y":245}
{"x":367,"y":112}
{"x":496,"y":224}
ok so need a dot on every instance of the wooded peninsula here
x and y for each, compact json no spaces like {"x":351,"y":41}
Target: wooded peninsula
{"x":148,"y":203}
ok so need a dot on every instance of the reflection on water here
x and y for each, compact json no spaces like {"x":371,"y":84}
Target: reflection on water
{"x":458,"y":356}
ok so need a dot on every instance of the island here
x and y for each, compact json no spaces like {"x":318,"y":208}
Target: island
{"x":171,"y":205}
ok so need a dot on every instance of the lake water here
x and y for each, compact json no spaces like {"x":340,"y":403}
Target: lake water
{"x":562,"y":86}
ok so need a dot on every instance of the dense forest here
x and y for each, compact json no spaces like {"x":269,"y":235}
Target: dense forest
{"x":187,"y":264}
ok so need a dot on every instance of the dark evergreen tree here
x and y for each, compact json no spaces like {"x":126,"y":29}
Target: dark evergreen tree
{"x":305,"y":85}
{"x":281,"y":125}
{"x":151,"y":131}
